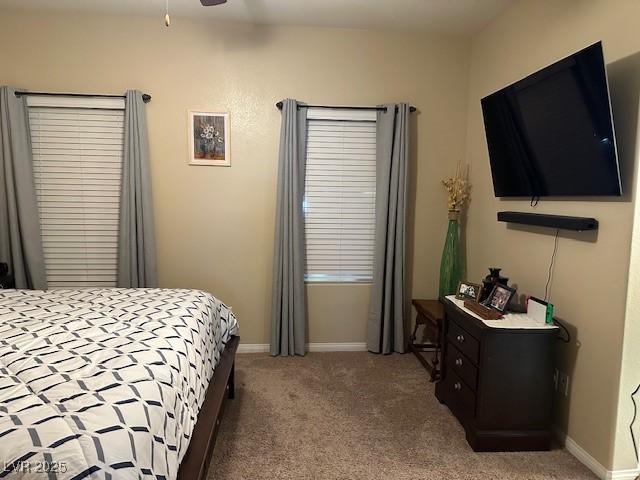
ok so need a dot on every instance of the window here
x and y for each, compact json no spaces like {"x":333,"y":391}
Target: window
{"x":340,"y":186}
{"x":77,"y":155}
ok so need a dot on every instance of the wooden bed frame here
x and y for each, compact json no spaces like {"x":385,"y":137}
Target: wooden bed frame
{"x":197,"y":458}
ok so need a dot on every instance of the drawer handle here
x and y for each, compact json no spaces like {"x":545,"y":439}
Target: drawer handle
{"x":458,"y":362}
{"x":460,"y":338}
{"x":457,"y":386}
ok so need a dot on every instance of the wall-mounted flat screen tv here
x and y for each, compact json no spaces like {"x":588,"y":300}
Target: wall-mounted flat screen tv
{"x":551,"y":134}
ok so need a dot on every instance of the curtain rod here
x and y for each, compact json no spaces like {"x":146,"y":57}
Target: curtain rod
{"x":337,"y":107}
{"x":145,"y":96}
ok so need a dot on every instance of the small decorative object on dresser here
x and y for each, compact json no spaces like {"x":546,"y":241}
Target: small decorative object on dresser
{"x":468,"y":291}
{"x":490,"y":281}
{"x":482,"y":311}
{"x":209,"y":138}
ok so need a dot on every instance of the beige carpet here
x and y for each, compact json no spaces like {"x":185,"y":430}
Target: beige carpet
{"x":356,"y":416}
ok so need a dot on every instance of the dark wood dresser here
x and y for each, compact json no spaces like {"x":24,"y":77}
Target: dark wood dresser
{"x":498,"y":382}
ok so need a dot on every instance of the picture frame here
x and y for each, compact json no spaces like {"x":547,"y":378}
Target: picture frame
{"x":209,"y":138}
{"x":500,"y":297}
{"x":468,"y":291}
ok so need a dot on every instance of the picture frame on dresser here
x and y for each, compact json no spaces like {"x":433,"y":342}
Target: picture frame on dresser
{"x":500,"y":297}
{"x":468,"y":291}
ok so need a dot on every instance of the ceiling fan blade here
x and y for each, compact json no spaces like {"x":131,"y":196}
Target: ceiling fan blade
{"x":209,"y":3}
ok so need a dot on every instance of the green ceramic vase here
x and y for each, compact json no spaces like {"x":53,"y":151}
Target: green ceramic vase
{"x":451,"y":263}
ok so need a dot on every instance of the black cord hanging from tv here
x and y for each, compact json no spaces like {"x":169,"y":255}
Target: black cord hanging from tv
{"x":547,"y":292}
{"x":633,"y":420}
{"x":567,"y":339}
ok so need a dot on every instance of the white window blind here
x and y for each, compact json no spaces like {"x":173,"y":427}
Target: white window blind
{"x":77,"y":155}
{"x":339,"y":204}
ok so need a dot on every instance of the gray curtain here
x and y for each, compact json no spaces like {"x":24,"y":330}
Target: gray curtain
{"x":20,"y":239}
{"x":136,"y":241}
{"x":288,"y":312}
{"x":386,"y":328}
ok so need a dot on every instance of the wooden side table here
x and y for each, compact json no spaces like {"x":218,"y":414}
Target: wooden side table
{"x":431,"y":317}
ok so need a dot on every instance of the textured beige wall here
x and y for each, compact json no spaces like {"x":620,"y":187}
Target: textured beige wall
{"x":215,"y":225}
{"x":624,"y":78}
{"x":589,"y":287}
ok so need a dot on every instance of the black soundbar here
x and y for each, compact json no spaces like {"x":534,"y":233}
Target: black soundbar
{"x":552,"y":221}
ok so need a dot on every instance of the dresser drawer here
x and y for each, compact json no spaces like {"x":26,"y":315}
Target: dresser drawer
{"x":464,"y":342}
{"x":460,"y":398}
{"x":462,"y":366}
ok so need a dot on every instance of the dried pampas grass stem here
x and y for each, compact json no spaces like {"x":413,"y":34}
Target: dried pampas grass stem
{"x":458,"y":189}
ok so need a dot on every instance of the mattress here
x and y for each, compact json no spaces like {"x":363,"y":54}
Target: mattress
{"x":104,"y":383}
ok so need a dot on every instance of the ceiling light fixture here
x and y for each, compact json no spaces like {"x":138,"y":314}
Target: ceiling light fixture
{"x":167,"y":18}
{"x":205,"y":3}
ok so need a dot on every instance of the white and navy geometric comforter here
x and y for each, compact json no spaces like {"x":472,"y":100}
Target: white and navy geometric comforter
{"x":104,"y":383}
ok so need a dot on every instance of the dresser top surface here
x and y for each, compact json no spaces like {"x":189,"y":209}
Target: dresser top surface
{"x":516,"y":321}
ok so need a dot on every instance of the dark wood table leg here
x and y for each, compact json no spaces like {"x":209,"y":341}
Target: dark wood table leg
{"x":435,"y":372}
{"x":429,"y":315}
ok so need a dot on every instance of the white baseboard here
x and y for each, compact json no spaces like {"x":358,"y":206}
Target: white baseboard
{"x":337,"y":347}
{"x":253,"y":347}
{"x":591,"y":463}
{"x":624,"y":474}
{"x":585,"y":458}
{"x":311,"y":347}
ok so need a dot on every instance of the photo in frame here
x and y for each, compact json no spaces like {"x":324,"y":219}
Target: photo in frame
{"x":209,"y":138}
{"x":468,"y":291}
{"x":500,"y":297}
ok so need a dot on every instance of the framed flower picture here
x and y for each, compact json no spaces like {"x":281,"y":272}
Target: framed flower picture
{"x":209,"y":138}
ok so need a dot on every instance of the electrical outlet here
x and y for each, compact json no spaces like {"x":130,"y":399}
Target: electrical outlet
{"x":563,"y":383}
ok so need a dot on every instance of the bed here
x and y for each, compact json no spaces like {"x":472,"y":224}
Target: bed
{"x":112,"y":383}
